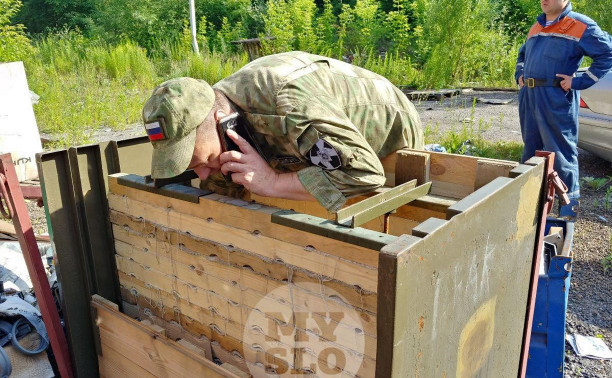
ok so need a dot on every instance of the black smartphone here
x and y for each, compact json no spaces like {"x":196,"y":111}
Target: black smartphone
{"x":240,"y":125}
{"x":230,"y":122}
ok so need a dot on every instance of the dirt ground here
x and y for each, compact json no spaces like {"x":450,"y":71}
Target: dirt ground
{"x":590,"y":299}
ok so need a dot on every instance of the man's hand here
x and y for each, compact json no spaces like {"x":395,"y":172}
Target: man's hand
{"x":247,"y":167}
{"x":253,"y":172}
{"x":566,"y":83}
{"x":521,"y":82}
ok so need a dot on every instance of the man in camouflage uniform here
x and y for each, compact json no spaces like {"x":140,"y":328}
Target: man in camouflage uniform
{"x":319,"y":128}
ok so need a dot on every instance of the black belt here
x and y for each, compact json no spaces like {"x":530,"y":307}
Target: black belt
{"x":531,"y":82}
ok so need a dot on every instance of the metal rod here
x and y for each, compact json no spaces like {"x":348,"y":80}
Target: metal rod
{"x":545,"y":207}
{"x":36,"y":270}
{"x":192,"y":21}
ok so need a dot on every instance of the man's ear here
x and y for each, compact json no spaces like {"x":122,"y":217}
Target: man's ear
{"x":219,"y":114}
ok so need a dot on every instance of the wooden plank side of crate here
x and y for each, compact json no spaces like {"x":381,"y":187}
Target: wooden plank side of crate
{"x":155,"y":353}
{"x":166,"y":308}
{"x":472,"y":275}
{"x":197,"y":320}
{"x":114,"y":364}
{"x":226,"y":297}
{"x":240,"y":308}
{"x":225,"y":346}
{"x":185,"y":257}
{"x":295,"y":255}
{"x":452,"y":176}
{"x":487,"y":170}
{"x":247,"y":216}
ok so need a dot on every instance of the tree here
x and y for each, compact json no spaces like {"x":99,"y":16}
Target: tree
{"x":51,"y":15}
{"x":278,"y":24}
{"x":14,"y":45}
{"x":146,"y":22}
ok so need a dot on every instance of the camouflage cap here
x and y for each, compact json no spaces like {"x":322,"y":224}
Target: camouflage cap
{"x":171,"y":116}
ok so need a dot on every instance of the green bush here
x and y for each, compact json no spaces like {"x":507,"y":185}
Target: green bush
{"x":463,"y":47}
{"x":14,"y":45}
{"x":44,"y":16}
{"x":278,"y":24}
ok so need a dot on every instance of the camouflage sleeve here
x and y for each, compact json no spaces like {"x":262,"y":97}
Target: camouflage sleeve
{"x":358,"y":170}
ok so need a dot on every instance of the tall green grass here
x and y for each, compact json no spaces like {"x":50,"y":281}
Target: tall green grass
{"x":88,"y":85}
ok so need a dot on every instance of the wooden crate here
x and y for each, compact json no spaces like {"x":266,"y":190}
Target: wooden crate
{"x":443,"y":293}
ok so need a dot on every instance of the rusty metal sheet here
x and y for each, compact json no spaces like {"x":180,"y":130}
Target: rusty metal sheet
{"x":472,"y":274}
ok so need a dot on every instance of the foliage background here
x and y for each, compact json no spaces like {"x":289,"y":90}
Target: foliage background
{"x":94,"y":62}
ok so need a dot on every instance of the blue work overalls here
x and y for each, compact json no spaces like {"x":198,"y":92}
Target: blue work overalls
{"x":548,"y":114}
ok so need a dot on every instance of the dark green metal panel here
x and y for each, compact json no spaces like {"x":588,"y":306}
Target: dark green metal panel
{"x":74,"y":186}
{"x":178,"y":191}
{"x":75,"y":284}
{"x":385,"y":305}
{"x":133,"y":156}
{"x":461,"y":292}
{"x":324,"y":227}
{"x":90,"y":196}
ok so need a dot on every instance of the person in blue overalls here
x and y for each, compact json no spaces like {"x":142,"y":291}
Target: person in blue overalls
{"x":549,"y":98}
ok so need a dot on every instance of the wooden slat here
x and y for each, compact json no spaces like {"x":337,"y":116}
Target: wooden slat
{"x":452,"y":168}
{"x":115,"y":364}
{"x":155,"y":353}
{"x":451,"y":175}
{"x":488,"y":170}
{"x":369,"y":347}
{"x":198,"y":321}
{"x":412,"y":165}
{"x":450,"y":189}
{"x":354,"y":365}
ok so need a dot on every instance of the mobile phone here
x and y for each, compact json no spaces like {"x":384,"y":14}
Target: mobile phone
{"x":230,"y":122}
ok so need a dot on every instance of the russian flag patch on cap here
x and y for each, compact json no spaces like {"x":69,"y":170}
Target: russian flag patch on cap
{"x":155,"y":131}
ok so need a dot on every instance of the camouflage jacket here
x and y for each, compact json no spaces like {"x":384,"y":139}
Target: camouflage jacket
{"x":327,"y":120}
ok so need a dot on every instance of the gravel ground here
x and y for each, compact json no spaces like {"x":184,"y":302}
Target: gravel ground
{"x":590,"y":299}
{"x":495,"y":122}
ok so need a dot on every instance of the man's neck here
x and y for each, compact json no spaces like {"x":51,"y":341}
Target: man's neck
{"x":552,"y":17}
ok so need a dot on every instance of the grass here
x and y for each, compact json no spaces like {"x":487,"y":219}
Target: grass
{"x":606,"y":262}
{"x":596,"y":184}
{"x":87,"y":85}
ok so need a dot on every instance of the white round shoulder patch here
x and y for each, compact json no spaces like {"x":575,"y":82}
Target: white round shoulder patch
{"x":325,"y":155}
